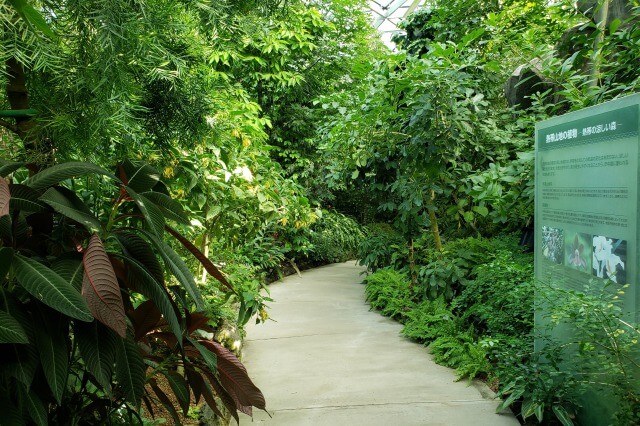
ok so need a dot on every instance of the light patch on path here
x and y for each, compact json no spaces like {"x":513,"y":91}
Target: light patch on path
{"x":328,"y":360}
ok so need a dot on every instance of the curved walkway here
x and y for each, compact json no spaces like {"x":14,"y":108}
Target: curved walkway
{"x":328,"y":360}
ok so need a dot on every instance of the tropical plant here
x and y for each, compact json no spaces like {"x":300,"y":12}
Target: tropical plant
{"x":96,"y":305}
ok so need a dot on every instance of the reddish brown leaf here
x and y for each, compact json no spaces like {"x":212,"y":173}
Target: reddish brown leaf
{"x":196,"y":321}
{"x":5,"y":196}
{"x":195,"y":381}
{"x":164,"y":399}
{"x":145,"y":318}
{"x":234,"y":377}
{"x":118,"y":268}
{"x":211,"y":402}
{"x":224,"y":396}
{"x":100,"y":288}
{"x":206,"y":263}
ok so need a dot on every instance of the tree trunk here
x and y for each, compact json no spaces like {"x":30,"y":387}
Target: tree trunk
{"x":434,"y":223}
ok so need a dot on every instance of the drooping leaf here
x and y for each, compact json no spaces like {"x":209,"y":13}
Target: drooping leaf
{"x":97,"y":345}
{"x":234,"y":377}
{"x":178,"y":268}
{"x":26,"y":199}
{"x":6,"y":254}
{"x":180,"y":389}
{"x":100,"y":287}
{"x":56,"y":174}
{"x":196,"y":382}
{"x":5,"y":228}
{"x":562,"y":415}
{"x":169,"y":207}
{"x":5,"y":196}
{"x":51,"y":332}
{"x":140,"y":177}
{"x":145,"y":318}
{"x":10,"y":329}
{"x":8,"y":167}
{"x":206,"y":263}
{"x":35,"y":408}
{"x":164,"y":400}
{"x":152,"y":214}
{"x":71,"y":206}
{"x":155,"y":291}
{"x":32,"y":17}
{"x":222,"y":393}
{"x":140,"y":250}
{"x":130,"y":370}
{"x":208,"y":356}
{"x":20,"y":360}
{"x":48,"y":287}
{"x":69,"y":266}
{"x":11,"y":413}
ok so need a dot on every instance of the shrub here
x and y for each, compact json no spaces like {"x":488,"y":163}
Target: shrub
{"x":382,"y":247}
{"x":334,"y":238}
{"x":390,"y":292}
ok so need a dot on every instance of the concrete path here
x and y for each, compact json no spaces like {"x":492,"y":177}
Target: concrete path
{"x":330,"y":361}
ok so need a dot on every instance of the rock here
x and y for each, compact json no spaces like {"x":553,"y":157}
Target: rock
{"x":525,"y":81}
{"x":229,"y":335}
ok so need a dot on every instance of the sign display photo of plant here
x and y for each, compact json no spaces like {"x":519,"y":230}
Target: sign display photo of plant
{"x":609,"y":258}
{"x":578,"y":252}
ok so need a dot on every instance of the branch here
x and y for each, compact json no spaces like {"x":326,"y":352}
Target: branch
{"x":9,"y":126}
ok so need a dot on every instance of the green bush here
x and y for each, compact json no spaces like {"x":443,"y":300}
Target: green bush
{"x":382,"y":247}
{"x":334,"y":238}
{"x":430,"y":320}
{"x":390,"y":292}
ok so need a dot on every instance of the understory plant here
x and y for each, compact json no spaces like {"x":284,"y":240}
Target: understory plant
{"x":96,"y":306}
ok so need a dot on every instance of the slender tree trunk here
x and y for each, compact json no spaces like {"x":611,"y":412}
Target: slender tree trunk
{"x":412,"y":264}
{"x":434,"y":223}
{"x":601,"y":17}
{"x":205,"y":250}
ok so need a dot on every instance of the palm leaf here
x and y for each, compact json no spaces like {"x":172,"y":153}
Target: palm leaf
{"x":5,"y":196}
{"x":71,"y":208}
{"x":178,"y":268}
{"x":48,"y":287}
{"x":97,"y":345}
{"x":130,"y":370}
{"x":56,"y":174}
{"x":10,"y":330}
{"x":100,"y":287}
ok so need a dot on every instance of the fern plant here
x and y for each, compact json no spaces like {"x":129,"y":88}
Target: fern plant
{"x":95,"y":305}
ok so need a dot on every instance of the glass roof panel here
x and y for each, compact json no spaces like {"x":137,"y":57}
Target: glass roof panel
{"x":386,"y":14}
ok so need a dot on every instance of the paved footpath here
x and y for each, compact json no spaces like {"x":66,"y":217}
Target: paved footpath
{"x":328,"y":360}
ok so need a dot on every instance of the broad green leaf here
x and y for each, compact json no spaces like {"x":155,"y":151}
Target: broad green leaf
{"x":8,"y":167}
{"x":10,"y":329}
{"x":180,"y":390}
{"x":209,"y":357}
{"x":178,"y":268}
{"x":140,"y":177}
{"x":139,"y":249}
{"x":130,"y":370}
{"x":481,"y":210}
{"x":6,"y":254}
{"x":50,"y":332}
{"x":5,"y":196}
{"x":35,"y":407}
{"x":70,"y":208}
{"x":11,"y":413}
{"x":562,"y":415}
{"x":69,"y":266}
{"x":26,"y":199}
{"x":32,"y":17}
{"x":152,"y":214}
{"x":56,"y":174}
{"x":169,"y":207}
{"x":100,"y":287}
{"x":613,"y":27}
{"x":51,"y":289}
{"x":98,"y":347}
{"x":528,"y":408}
{"x":24,"y":357}
{"x":510,"y":400}
{"x":156,"y":292}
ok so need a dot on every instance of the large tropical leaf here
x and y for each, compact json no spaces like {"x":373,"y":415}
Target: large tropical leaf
{"x":51,"y":331}
{"x":140,"y":250}
{"x":206,"y":263}
{"x":20,"y":360}
{"x":234,"y":377}
{"x":152,"y":214}
{"x":224,"y":396}
{"x":70,"y":267}
{"x":180,"y":389}
{"x":169,"y":207}
{"x":156,"y":292}
{"x":6,"y":254}
{"x":164,"y":400}
{"x":5,"y":196}
{"x":56,"y":174}
{"x":130,"y":370}
{"x":35,"y":407}
{"x":178,"y":268}
{"x":48,"y":287}
{"x":26,"y":199}
{"x":8,"y":167}
{"x":97,"y":345}
{"x":10,"y":330}
{"x":140,"y":177}
{"x":71,"y":208}
{"x":100,"y":287}
{"x":144,"y":318}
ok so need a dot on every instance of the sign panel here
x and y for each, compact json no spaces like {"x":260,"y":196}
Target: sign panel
{"x":586,"y":205}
